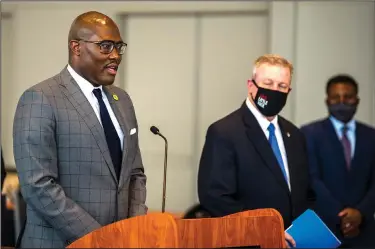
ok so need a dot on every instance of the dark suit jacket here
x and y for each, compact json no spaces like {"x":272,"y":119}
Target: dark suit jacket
{"x":335,"y":186}
{"x":238,"y":170}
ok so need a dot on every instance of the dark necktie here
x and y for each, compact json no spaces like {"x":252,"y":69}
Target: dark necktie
{"x":276,"y":150}
{"x":113,"y":141}
{"x":347,"y":147}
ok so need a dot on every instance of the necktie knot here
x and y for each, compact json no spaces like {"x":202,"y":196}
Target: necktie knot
{"x":98,"y":93}
{"x":345,"y":129}
{"x":271,"y":128}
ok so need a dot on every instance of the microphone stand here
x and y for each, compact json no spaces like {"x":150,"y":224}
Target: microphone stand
{"x":165,"y":173}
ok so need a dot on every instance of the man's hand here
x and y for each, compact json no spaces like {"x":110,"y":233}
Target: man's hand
{"x":11,"y":185}
{"x":289,"y":240}
{"x":351,"y":218}
{"x":352,"y":233}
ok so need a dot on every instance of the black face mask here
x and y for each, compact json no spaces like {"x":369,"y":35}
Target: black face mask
{"x":269,"y":102}
{"x":343,"y":112}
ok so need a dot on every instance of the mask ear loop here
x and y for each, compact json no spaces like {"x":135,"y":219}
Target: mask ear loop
{"x":253,"y":98}
{"x":255,"y":83}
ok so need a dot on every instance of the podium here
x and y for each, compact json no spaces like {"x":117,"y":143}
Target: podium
{"x":254,"y":228}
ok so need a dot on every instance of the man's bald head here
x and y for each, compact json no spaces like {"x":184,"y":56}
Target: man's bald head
{"x":86,"y":25}
{"x":95,"y":47}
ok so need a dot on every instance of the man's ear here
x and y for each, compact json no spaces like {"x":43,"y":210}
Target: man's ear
{"x":326,"y":101}
{"x":75,"y":47}
{"x":250,"y":82}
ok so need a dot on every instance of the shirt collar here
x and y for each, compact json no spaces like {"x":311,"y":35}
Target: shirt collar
{"x":85,"y":85}
{"x":339,"y":125}
{"x":262,"y":120}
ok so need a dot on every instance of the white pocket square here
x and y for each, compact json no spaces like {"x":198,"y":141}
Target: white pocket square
{"x":132,"y":131}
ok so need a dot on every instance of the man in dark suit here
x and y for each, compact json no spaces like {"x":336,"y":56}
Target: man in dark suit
{"x":253,"y":158}
{"x":342,"y":165}
{"x":76,"y":142}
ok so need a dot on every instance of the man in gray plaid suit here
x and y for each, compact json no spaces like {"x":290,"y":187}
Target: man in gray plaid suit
{"x":76,"y":142}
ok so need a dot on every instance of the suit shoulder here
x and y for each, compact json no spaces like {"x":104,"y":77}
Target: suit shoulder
{"x":313,"y":127}
{"x":293,"y":129}
{"x":226,"y":124}
{"x":46,"y":87}
{"x":289,"y":125}
{"x":367,"y":128}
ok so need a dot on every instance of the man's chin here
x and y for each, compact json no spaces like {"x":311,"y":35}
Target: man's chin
{"x":107,"y":81}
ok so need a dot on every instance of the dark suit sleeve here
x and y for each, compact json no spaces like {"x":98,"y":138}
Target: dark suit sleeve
{"x":217,"y":185}
{"x":311,"y":195}
{"x":333,"y":206}
{"x":35,"y":151}
{"x":367,"y":204}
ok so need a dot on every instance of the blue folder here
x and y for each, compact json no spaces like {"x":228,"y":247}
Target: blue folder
{"x":309,"y":231}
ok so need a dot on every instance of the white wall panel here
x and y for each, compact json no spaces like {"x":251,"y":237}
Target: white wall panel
{"x":229,"y":45}
{"x":9,"y":97}
{"x":160,"y":79}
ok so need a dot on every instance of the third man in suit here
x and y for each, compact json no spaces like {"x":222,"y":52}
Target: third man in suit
{"x":254,"y":158}
{"x":342,"y":165}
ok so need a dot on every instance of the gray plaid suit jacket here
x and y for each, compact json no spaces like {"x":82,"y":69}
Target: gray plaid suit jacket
{"x":66,"y":175}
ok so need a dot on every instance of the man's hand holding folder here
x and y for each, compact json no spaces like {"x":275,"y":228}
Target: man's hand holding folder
{"x":309,"y":231}
{"x":289,"y":240}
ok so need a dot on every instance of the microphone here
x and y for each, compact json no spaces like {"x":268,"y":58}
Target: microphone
{"x":156,"y":131}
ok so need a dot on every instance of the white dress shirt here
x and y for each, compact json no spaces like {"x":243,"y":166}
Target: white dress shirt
{"x":264,"y":123}
{"x":338,"y":125}
{"x":87,"y":89}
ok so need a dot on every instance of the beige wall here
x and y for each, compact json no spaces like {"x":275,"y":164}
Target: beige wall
{"x":318,"y":37}
{"x":334,"y":38}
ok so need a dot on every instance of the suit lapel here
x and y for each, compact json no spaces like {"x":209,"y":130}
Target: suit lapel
{"x":76,"y":97}
{"x":336,"y":143}
{"x":290,"y":155}
{"x":258,"y":139}
{"x":120,"y":114}
{"x":360,"y":151}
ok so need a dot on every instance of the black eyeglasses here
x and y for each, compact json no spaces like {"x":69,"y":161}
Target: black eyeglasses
{"x":106,"y":46}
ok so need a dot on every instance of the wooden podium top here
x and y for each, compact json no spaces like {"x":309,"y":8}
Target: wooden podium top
{"x":155,"y":230}
{"x":261,"y":227}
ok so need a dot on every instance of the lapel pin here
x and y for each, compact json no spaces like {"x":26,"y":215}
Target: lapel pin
{"x":115,"y":97}
{"x":288,"y":134}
